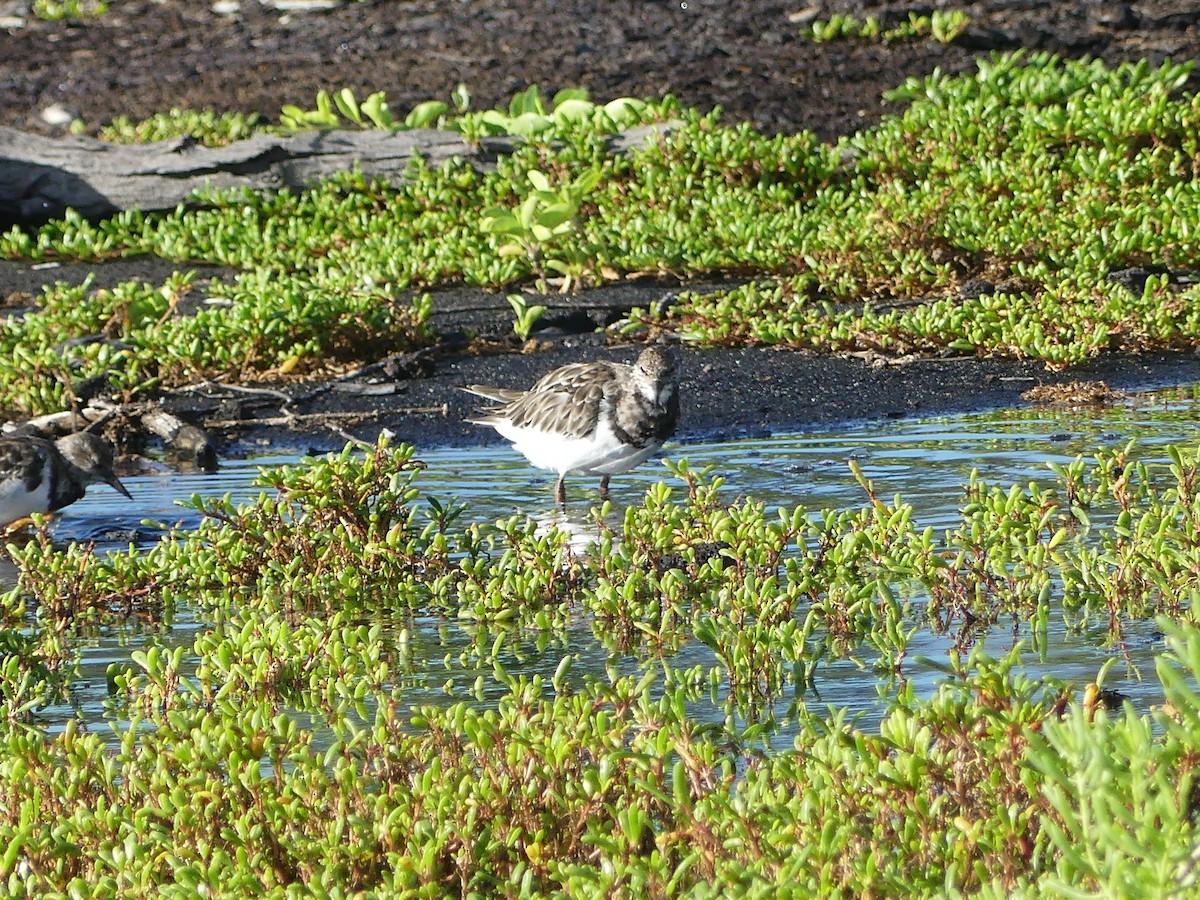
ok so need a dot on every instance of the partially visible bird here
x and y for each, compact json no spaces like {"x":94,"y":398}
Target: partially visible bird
{"x":596,"y":418}
{"x":38,"y":475}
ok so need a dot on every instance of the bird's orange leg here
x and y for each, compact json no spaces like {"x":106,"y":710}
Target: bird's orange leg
{"x":23,"y":522}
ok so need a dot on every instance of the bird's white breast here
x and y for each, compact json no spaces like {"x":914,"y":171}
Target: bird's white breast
{"x":16,"y":503}
{"x":600,"y":453}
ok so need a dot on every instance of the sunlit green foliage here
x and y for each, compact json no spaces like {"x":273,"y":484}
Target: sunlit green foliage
{"x":540,"y":225}
{"x":68,"y":10}
{"x":986,"y":218}
{"x":944,"y":26}
{"x":527,"y":315}
{"x":258,"y":322}
{"x":209,"y":128}
{"x":285,"y":753}
{"x":527,"y":115}
{"x":1038,"y":176}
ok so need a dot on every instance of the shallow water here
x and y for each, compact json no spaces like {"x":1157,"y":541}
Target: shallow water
{"x":928,"y":461}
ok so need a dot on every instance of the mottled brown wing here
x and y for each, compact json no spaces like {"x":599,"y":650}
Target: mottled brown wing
{"x":23,"y":458}
{"x":571,"y":376}
{"x":566,"y":401}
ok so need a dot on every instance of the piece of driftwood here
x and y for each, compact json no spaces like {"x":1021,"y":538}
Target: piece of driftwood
{"x":41,"y":177}
{"x":185,"y":439}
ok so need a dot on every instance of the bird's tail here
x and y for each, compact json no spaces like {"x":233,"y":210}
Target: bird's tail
{"x":496,"y":395}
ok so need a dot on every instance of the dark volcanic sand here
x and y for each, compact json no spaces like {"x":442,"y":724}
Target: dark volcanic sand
{"x":725,"y":392}
{"x":756,"y":392}
{"x":748,"y":57}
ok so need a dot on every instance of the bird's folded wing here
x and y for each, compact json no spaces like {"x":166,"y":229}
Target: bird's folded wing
{"x":570,"y":409}
{"x":21,"y":459}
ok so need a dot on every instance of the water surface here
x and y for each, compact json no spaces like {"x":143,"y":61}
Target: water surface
{"x":928,"y":461}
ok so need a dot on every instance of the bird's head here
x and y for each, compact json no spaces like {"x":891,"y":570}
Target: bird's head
{"x":655,"y":369}
{"x":92,"y":455}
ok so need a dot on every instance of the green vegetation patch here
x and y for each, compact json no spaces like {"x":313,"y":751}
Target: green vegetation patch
{"x":986,"y":219}
{"x":68,"y":10}
{"x":944,"y":26}
{"x":209,"y":128}
{"x":282,"y":748}
{"x":257,"y":324}
{"x":1038,"y":177}
{"x":528,"y":114}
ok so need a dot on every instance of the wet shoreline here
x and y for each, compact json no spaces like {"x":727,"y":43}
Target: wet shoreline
{"x":725,"y":394}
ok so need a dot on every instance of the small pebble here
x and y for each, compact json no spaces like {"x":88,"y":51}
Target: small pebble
{"x":975,"y":287}
{"x":1112,"y":15}
{"x":806,"y":16}
{"x":58,"y":115}
{"x":227,"y":7}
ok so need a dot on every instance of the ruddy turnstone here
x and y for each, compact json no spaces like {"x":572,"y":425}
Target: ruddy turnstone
{"x":597,"y":418}
{"x":39,"y":475}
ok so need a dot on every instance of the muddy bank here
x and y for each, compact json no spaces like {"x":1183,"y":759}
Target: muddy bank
{"x":725,"y":392}
{"x":751,"y":58}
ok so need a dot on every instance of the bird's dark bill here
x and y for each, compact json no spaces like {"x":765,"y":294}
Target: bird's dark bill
{"x":116,"y":485}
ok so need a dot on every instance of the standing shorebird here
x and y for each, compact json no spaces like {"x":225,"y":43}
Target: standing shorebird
{"x":41,"y":476}
{"x":596,"y":418}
